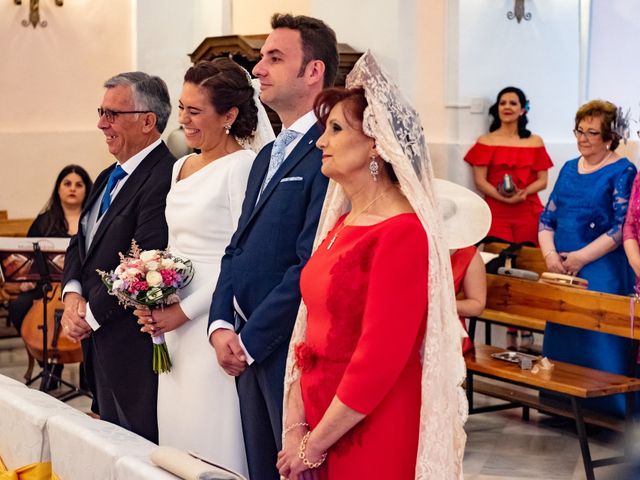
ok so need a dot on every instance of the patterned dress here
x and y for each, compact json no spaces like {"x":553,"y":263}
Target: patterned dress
{"x":631,"y":230}
{"x":580,"y":209}
{"x":367,"y":304}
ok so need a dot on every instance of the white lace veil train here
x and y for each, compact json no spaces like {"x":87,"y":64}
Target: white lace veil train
{"x":397,"y":129}
{"x":264,"y":132}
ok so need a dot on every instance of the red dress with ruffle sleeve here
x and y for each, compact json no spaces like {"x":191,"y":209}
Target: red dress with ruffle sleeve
{"x":512,"y":222}
{"x":366,"y":298}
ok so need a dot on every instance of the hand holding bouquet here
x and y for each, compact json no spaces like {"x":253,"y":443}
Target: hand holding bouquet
{"x":150,"y":279}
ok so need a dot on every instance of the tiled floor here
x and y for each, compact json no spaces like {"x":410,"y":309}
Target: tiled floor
{"x":500,"y":445}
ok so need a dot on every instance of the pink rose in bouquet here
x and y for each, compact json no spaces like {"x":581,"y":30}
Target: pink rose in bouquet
{"x":149,"y":278}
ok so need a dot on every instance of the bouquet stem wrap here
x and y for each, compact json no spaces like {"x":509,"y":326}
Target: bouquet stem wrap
{"x":161,"y":358}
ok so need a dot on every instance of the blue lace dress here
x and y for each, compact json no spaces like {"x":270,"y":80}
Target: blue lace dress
{"x":580,"y":209}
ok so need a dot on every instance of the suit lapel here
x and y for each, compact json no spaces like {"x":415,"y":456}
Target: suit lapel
{"x":306,"y":144}
{"x":262,"y":165}
{"x":96,"y":190}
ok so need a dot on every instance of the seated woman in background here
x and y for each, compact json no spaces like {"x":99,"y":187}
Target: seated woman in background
{"x":59,"y":218}
{"x":581,"y":234}
{"x":510,"y":151}
{"x":467,"y":219}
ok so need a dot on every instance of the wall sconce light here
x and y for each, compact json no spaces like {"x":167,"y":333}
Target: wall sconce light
{"x":518,"y":12}
{"x":34,"y":13}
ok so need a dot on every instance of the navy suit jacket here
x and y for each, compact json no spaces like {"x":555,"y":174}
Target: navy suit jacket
{"x":262,"y":264}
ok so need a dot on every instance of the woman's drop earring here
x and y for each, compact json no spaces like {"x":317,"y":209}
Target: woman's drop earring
{"x":227,"y":128}
{"x":373,"y":168}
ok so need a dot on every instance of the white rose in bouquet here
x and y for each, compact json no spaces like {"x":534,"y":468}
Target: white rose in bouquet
{"x":153,"y":265}
{"x":149,"y":255}
{"x":154,"y":279}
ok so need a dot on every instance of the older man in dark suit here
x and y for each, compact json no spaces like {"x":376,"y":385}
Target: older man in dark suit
{"x":127,"y":202}
{"x":258,"y":292}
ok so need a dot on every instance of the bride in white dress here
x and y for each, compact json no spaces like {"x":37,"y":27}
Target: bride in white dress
{"x":198,"y":406}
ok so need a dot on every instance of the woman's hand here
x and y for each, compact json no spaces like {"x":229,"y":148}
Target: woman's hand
{"x":288,"y":456}
{"x":160,"y":320}
{"x":554,"y":263}
{"x":519,"y":196}
{"x":289,"y":463}
{"x":573,"y":262}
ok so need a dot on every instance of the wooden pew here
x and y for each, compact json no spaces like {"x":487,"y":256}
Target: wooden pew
{"x":16,"y":227}
{"x":3,"y":215}
{"x":534,"y":301}
{"x":529,"y":258}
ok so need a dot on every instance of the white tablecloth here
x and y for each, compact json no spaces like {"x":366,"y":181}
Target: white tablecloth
{"x":23,"y":415}
{"x":86,"y":449}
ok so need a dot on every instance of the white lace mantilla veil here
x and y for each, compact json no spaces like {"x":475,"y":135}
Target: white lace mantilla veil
{"x":264,"y":132}
{"x":397,"y":129}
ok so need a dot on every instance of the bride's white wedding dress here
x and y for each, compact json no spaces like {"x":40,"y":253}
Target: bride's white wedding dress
{"x":197,"y":401}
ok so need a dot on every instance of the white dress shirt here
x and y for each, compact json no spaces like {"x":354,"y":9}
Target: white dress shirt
{"x":301,"y":126}
{"x":91,"y":222}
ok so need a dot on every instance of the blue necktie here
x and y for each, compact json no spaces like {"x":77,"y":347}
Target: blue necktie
{"x":284,"y":138}
{"x":117,"y":174}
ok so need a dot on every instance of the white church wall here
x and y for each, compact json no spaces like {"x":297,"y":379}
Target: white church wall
{"x":613,"y":72}
{"x":50,"y":88}
{"x":251,"y":16}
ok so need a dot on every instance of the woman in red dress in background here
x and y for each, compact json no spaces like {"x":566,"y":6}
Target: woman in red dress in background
{"x":356,"y":385}
{"x":510,"y":149}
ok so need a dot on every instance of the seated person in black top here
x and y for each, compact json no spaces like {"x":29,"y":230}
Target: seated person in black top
{"x":59,"y":218}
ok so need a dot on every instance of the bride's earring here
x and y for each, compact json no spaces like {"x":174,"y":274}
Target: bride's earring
{"x":373,"y":168}
{"x":227,"y":128}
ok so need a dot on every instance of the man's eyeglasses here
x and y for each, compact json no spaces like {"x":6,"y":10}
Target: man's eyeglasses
{"x":589,"y":133}
{"x":111,"y":115}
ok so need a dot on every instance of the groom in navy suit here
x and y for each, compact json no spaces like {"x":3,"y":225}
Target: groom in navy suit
{"x":257,"y":296}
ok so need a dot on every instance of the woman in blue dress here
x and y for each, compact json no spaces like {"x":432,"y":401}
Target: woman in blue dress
{"x":580,"y":234}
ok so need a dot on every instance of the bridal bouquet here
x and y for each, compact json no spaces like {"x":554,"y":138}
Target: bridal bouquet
{"x":149,"y":278}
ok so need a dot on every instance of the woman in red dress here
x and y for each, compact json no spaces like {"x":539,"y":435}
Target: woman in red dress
{"x":467,"y":219}
{"x":356,"y":408}
{"x":469,"y":277}
{"x":510,"y":149}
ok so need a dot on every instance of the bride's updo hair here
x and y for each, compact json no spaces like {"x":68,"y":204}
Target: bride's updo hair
{"x":353,"y":103}
{"x":228,"y":86}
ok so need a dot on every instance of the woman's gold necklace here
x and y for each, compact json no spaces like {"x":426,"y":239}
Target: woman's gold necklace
{"x":344,"y":223}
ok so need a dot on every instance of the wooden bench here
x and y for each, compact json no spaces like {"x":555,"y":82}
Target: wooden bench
{"x":595,"y":311}
{"x":17,"y":227}
{"x":528,"y":258}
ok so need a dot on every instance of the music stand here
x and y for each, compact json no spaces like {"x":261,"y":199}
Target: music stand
{"x":39,"y":260}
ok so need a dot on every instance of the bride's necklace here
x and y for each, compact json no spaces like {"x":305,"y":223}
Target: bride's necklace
{"x":345,"y":224}
{"x":586,"y":168}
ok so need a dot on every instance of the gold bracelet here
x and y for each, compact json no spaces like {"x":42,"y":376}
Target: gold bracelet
{"x":549,"y":253}
{"x":302,"y":453}
{"x":295,"y":425}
